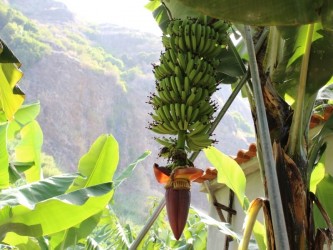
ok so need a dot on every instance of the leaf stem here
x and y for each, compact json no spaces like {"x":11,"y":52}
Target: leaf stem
{"x":273,"y":189}
{"x":297,"y":126}
{"x":250,"y":220}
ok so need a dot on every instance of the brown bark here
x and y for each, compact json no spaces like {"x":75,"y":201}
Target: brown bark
{"x":290,"y":169}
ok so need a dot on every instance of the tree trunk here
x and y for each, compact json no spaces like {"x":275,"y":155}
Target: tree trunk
{"x":291,"y":170}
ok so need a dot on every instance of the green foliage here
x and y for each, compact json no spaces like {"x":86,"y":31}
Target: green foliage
{"x":111,"y":233}
{"x":33,"y":210}
{"x":49,"y":166}
{"x":242,"y":124}
{"x":23,"y":35}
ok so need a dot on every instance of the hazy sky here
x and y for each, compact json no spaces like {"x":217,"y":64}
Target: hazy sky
{"x":129,"y":13}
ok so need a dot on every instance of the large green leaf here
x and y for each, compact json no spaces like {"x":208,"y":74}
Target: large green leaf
{"x":317,"y":174}
{"x":128,"y":171}
{"x":29,"y":149}
{"x":21,"y":242}
{"x":71,"y":237}
{"x":25,"y":114}
{"x":99,"y":164}
{"x":228,"y":172}
{"x":321,"y":58}
{"x":11,"y":97}
{"x":96,"y":167}
{"x":324,"y":193}
{"x":259,"y":12}
{"x":4,"y":174}
{"x":42,"y":208}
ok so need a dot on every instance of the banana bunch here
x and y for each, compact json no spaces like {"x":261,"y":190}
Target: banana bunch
{"x":186,"y":80}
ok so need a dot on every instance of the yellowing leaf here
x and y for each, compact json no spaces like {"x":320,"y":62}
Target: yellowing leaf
{"x":10,"y":102}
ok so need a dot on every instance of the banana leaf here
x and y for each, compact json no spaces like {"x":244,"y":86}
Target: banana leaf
{"x":95,"y":167}
{"x":73,"y":235}
{"x":29,"y":150}
{"x":4,"y":174}
{"x":258,"y":12}
{"x":43,"y":207}
{"x":128,"y":171}
{"x":324,"y":193}
{"x":51,"y":215}
{"x":21,"y":242}
{"x":11,"y":96}
{"x":24,"y":115}
{"x":286,"y":75}
{"x":229,"y":173}
{"x":99,"y":164}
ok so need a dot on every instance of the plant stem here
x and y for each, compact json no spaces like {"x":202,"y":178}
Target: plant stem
{"x":181,"y":139}
{"x":273,"y":189}
{"x":250,"y":220}
{"x":297,"y":126}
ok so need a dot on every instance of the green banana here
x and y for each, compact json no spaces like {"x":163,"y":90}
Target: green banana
{"x":190,"y":65}
{"x":183,"y":96}
{"x":174,"y":125}
{"x":189,"y":110}
{"x":194,"y":115}
{"x":198,"y":77}
{"x":173,"y":112}
{"x":174,"y":95}
{"x":173,"y":45}
{"x":187,"y":37}
{"x":165,"y":142}
{"x":186,"y":80}
{"x":179,"y":85}
{"x":187,"y":85}
{"x":193,"y":36}
{"x":191,"y":98}
{"x":183,"y":112}
{"x":166,"y":111}
{"x":160,"y":130}
{"x":177,"y":109}
{"x":173,"y":80}
{"x":180,"y":125}
{"x":161,"y":114}
{"x":166,"y":42}
{"x":182,"y":60}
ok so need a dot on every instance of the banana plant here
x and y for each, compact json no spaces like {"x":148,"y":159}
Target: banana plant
{"x":295,"y":63}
